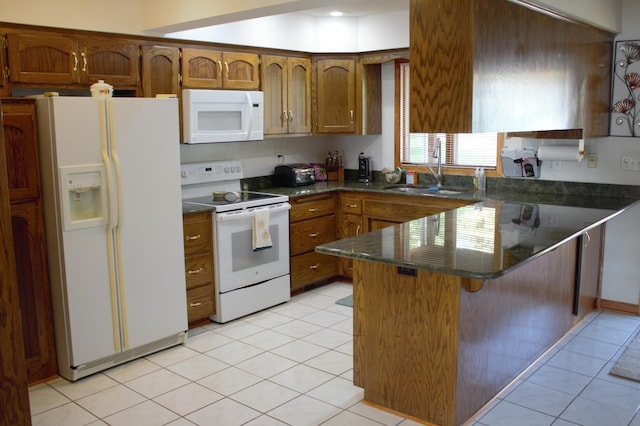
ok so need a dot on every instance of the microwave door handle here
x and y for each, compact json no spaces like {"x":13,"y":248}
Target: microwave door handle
{"x":249,"y":104}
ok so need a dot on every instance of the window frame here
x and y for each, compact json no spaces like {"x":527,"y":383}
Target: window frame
{"x":447,"y":170}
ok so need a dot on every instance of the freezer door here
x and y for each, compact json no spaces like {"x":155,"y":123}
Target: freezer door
{"x":145,"y":142}
{"x":69,"y":136}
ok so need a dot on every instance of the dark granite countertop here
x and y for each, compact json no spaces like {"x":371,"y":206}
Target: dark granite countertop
{"x":503,"y":228}
{"x":483,"y":240}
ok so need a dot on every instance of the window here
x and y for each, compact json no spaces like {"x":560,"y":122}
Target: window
{"x":460,"y":150}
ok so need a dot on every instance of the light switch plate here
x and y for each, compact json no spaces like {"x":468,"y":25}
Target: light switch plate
{"x":592,"y":161}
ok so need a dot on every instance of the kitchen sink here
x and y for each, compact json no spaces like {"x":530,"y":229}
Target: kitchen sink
{"x":428,"y":191}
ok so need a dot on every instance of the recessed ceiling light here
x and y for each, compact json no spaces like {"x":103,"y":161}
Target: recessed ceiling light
{"x":336,"y":13}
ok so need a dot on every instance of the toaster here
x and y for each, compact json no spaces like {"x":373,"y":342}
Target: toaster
{"x":295,"y":174}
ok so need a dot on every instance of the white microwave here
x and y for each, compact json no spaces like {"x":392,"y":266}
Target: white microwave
{"x":222,"y":115}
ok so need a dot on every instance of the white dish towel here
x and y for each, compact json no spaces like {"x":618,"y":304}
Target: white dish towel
{"x":261,"y":234}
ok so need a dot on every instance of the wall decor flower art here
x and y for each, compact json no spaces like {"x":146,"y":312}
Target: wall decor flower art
{"x":625,"y":111}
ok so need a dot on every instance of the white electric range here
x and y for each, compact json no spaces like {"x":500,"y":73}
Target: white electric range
{"x":247,"y":280}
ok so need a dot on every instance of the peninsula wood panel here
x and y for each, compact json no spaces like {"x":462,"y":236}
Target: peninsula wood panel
{"x":438,"y":347}
{"x":509,"y":323}
{"x":405,"y":340}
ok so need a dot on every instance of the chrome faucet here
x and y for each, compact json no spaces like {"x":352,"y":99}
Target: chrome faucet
{"x":436,"y":154}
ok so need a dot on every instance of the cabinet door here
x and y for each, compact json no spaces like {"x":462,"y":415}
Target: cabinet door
{"x":160,"y":70}
{"x":33,"y":291}
{"x":112,"y":61}
{"x":299,"y":95}
{"x":43,"y":58}
{"x":350,"y":225}
{"x":21,"y":148}
{"x":241,"y":71}
{"x":201,"y":68}
{"x":274,"y":86}
{"x":4,"y":71}
{"x":590,"y":270}
{"x":336,"y":95}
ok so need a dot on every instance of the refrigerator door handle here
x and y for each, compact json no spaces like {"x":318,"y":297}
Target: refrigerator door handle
{"x":122,"y":303}
{"x":104,"y":148}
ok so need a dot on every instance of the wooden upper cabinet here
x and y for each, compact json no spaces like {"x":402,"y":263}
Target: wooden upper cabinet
{"x":215,"y":69}
{"x":4,"y":70}
{"x":43,"y":58}
{"x":160,"y":70}
{"x":112,"y":61}
{"x":201,"y":68}
{"x":497,"y":66}
{"x":286,"y":83}
{"x":52,"y":58}
{"x":241,"y":70}
{"x":21,"y":150}
{"x":335,"y":95}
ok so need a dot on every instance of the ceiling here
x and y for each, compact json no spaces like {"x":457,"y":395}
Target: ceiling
{"x":358,"y":8}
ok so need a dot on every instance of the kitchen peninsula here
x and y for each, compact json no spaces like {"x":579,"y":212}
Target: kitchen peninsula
{"x":450,"y":308}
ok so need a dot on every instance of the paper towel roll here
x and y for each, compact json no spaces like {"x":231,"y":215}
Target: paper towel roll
{"x":560,"y":153}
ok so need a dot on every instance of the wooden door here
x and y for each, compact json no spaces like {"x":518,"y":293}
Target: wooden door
{"x":336,"y":95}
{"x":201,"y":68}
{"x":14,"y":398}
{"x":299,"y":95}
{"x":18,"y":118}
{"x":43,"y":58}
{"x":33,"y":291}
{"x":241,"y":70}
{"x":274,"y":86}
{"x":160,"y":70}
{"x":115,"y":62}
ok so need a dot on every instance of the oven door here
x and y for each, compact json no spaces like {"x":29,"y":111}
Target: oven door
{"x":237,"y":265}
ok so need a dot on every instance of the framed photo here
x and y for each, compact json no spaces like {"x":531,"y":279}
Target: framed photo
{"x":625,"y":108}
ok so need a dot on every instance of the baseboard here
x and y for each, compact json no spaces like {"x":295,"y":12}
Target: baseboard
{"x":612,"y":305}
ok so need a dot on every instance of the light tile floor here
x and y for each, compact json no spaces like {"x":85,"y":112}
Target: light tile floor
{"x":292,"y":365}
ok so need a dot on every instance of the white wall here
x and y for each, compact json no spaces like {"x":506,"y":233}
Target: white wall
{"x":621,"y":275}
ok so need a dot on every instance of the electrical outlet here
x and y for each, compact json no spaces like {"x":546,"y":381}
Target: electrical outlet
{"x":630,"y":163}
{"x":592,"y":161}
{"x":555,"y":165}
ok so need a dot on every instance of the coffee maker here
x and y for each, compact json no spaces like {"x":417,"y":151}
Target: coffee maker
{"x":364,"y":169}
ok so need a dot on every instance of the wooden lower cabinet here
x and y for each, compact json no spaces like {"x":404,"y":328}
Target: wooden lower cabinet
{"x":33,"y":291}
{"x":312,"y":222}
{"x":199,"y":267}
{"x":20,"y":147}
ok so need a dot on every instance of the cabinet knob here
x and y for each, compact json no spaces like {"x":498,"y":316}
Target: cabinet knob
{"x":316,"y":266}
{"x":75,"y":61}
{"x":313,"y":210}
{"x":84,"y":62}
{"x":290,"y":116}
{"x":314,"y":234}
{"x":353,"y":206}
{"x":192,"y":237}
{"x":194,"y":271}
{"x":193,"y":304}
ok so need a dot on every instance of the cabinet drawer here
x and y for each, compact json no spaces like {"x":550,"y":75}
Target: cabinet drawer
{"x":350,"y":205}
{"x":314,"y":207}
{"x":199,"y":270}
{"x":197,"y":233}
{"x":200,"y":303}
{"x":311,"y":267}
{"x":307,"y":234}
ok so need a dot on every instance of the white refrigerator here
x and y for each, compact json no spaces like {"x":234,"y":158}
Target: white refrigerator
{"x":113,"y":220}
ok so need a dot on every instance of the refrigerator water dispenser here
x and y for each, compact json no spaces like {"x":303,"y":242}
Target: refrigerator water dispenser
{"x":84,"y":198}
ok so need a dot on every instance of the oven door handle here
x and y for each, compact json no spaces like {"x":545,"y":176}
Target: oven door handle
{"x":243,"y":214}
